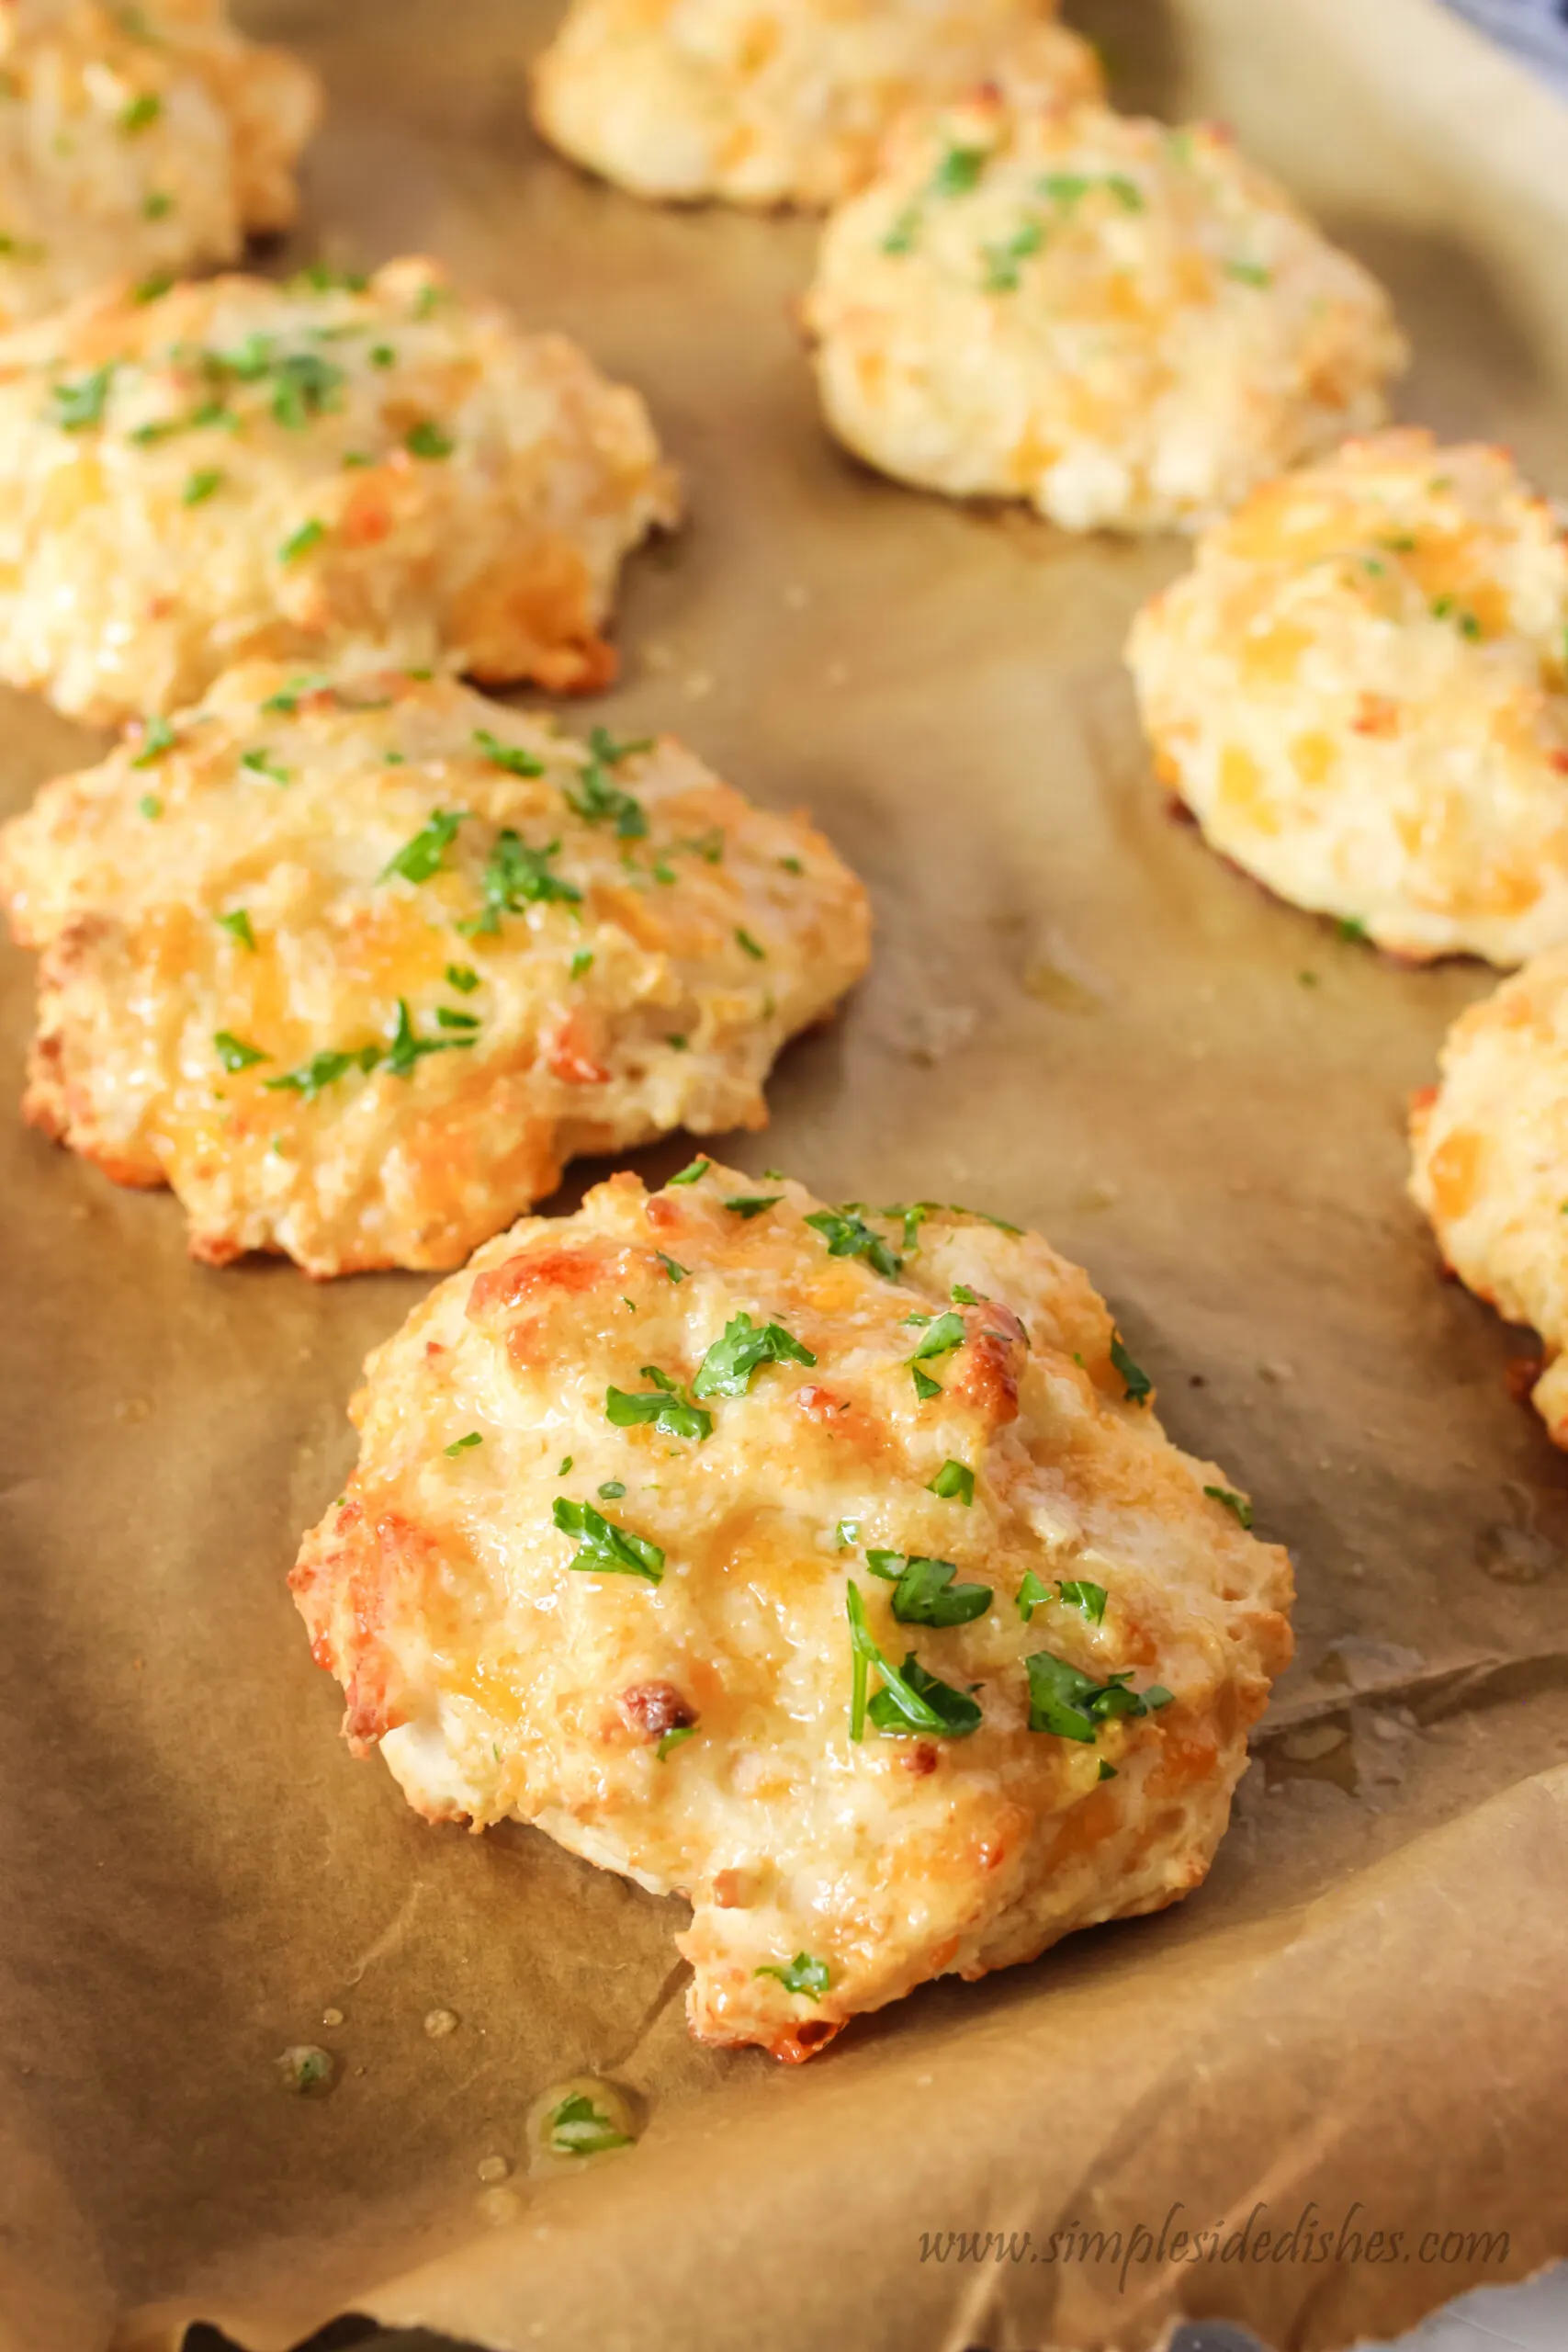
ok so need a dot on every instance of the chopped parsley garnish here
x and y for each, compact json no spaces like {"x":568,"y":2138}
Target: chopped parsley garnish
{"x":426,"y":439}
{"x":510,"y":756}
{"x":463,"y":1443}
{"x":745,"y":1347}
{"x":692,"y":1172}
{"x":984,"y":1215}
{"x":1002,"y":260}
{"x":306,"y":386}
{"x":288,"y":698}
{"x":751,"y":1204}
{"x":564,"y":1465}
{"x":900,"y":238}
{"x":1087,"y":1599}
{"x":1128,"y":194}
{"x":1030,"y":1593}
{"x":850,"y":1236}
{"x":463,"y":977}
{"x":604,"y":746}
{"x":910,"y":1701}
{"x":300,"y":542}
{"x":151,"y":289}
{"x":1351,"y":927}
{"x":238,"y":925}
{"x":406,"y":1050}
{"x":80,"y":405}
{"x":678,"y":1042}
{"x":1449,"y":608}
{"x":1107,"y":1771}
{"x":792,"y":866}
{"x":959,"y":171}
{"x":663,"y":1408}
{"x":1249,"y":273}
{"x":150,"y":806}
{"x":925,"y":1387}
{"x":1237,"y":1505}
{"x":945,"y":1334}
{"x":581,"y":962}
{"x":322,"y":1069}
{"x":924,"y":1592}
{"x":421,"y":857}
{"x":954,"y":1482}
{"x":1136,"y":1386}
{"x":672,"y":1266}
{"x":156,"y":206}
{"x":600,"y":800}
{"x":445,"y":1018}
{"x":140,"y":114}
{"x":260,"y":763}
{"x":515,"y":877}
{"x":744,"y":940}
{"x":200,"y":487}
{"x":606,"y":1549}
{"x":672,"y":1740}
{"x":804,"y":1975}
{"x":610,"y":1491}
{"x":1072,"y":1705}
{"x":157,"y":737}
{"x":233,"y":1052}
{"x":578,"y":2127}
{"x":846,"y":1535}
{"x":383,"y":355}
{"x":708,"y":846}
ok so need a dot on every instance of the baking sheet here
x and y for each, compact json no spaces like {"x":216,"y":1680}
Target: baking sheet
{"x":1076,"y":1017}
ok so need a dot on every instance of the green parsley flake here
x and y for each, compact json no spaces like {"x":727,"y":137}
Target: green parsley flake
{"x":846,"y":1535}
{"x":672,"y":1266}
{"x":383,"y":355}
{"x":513,"y":757}
{"x":743,"y":939}
{"x":672,"y":1740}
{"x":426,"y":439}
{"x":954,"y":1482}
{"x":1237,"y":1505}
{"x":1087,"y":1599}
{"x":984,"y":1215}
{"x":792,"y":866}
{"x":463,"y":977}
{"x":1071,"y":1705}
{"x":322,"y":1069}
{"x":406,"y":1048}
{"x":238,"y":925}
{"x":581,"y":962}
{"x":850,"y":1236}
{"x":578,"y":2127}
{"x":663,"y":1408}
{"x":961,"y":1295}
{"x":140,"y":114}
{"x":728,"y":1367}
{"x":150,"y":806}
{"x":1249,"y":273}
{"x":288,"y":698}
{"x":447,"y":1018}
{"x":156,"y":206}
{"x":233,"y":1052}
{"x":1136,"y":1386}
{"x":201,"y":486}
{"x":157,"y":737}
{"x":693,"y":1174}
{"x":300,"y":542}
{"x":1351,"y":927}
{"x":1030,"y":1593}
{"x":515,"y":877}
{"x":912,"y":1701}
{"x":78,"y":406}
{"x":463,"y":1445}
{"x":751,"y":1204}
{"x":600,"y":800}
{"x":305,"y":386}
{"x":805,"y":1976}
{"x":924,"y":1592}
{"x":945,"y":1334}
{"x":959,"y":171}
{"x":605,"y":1548}
{"x":901,"y":236}
{"x":151,"y":289}
{"x":260,"y":763}
{"x":564,"y":1465}
{"x":925,"y":1387}
{"x":610,"y":1491}
{"x":1002,"y":260}
{"x":421,"y":858}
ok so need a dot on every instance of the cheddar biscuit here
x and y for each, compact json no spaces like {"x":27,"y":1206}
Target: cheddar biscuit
{"x":138,"y":141}
{"x":243,"y":470}
{"x":764,"y":102}
{"x":1491,"y":1161}
{"x":355,"y":965}
{"x":1359,"y":689}
{"x":1124,"y":325}
{"x":828,"y":1567}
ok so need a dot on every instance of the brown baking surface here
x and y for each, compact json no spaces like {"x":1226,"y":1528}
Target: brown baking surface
{"x":1077,"y":1018}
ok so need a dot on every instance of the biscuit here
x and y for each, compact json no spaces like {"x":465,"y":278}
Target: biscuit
{"x":239,"y":471}
{"x":1126,"y":326}
{"x":829,"y":1567}
{"x":765,"y":102}
{"x":357,"y":966}
{"x":139,"y":141}
{"x":1359,"y":691}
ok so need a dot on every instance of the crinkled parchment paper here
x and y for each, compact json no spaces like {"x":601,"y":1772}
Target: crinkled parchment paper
{"x":1076,"y":1017}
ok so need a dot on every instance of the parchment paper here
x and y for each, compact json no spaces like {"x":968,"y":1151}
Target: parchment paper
{"x":1076,"y":1017}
